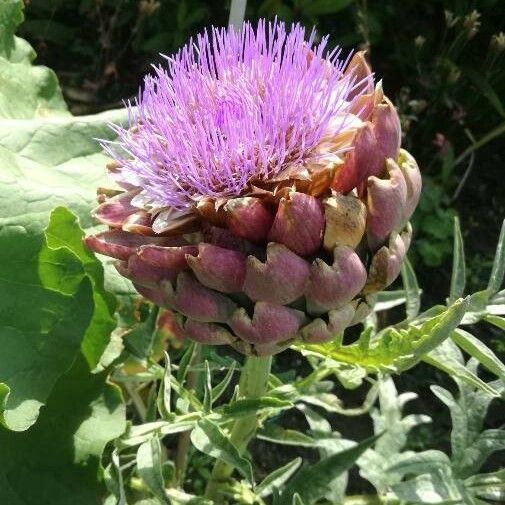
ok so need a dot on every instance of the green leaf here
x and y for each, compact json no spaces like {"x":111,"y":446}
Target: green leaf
{"x":497,"y":321}
{"x":248,"y":406}
{"x":443,"y":357}
{"x":57,"y":461}
{"x":389,"y":420}
{"x":420,"y":462}
{"x":297,"y":500}
{"x":278,"y":435}
{"x":218,"y":390}
{"x":276,"y":479}
{"x":474,"y":347}
{"x":164,"y":393}
{"x":149,"y":468}
{"x":186,"y":360}
{"x":394,"y":350}
{"x":469,"y":445}
{"x":490,"y":486}
{"x":27,"y":91}
{"x":11,"y":15}
{"x":208,"y":438}
{"x":435,"y":488}
{"x":386,"y":300}
{"x":498,"y":270}
{"x":46,"y":305}
{"x":486,"y":89}
{"x":458,"y":277}
{"x":311,"y":482}
{"x":63,"y":231}
{"x":207,"y":388}
{"x":49,"y":163}
{"x":413,"y":300}
{"x":139,"y":339}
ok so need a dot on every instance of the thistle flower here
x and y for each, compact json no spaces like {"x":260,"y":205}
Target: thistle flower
{"x":264,"y":195}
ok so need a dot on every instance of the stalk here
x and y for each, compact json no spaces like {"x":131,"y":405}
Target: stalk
{"x":253,"y":383}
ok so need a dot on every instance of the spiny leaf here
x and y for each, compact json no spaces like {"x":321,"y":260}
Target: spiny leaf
{"x":394,"y":350}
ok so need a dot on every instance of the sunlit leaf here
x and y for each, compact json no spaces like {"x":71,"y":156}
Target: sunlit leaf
{"x":311,"y":481}
{"x":208,"y":438}
{"x":149,"y":468}
{"x":458,"y":276}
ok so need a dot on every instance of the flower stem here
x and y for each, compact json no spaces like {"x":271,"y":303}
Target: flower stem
{"x":253,"y":383}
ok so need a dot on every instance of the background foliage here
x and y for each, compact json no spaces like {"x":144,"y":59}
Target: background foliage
{"x":68,"y":322}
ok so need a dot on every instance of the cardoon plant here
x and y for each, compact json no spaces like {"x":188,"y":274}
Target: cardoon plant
{"x":264,"y":195}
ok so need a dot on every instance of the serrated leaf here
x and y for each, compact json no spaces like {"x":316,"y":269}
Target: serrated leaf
{"x":458,"y":276}
{"x":394,"y":350}
{"x":149,"y":468}
{"x":470,"y":447}
{"x":311,"y":482}
{"x":208,"y":438}
{"x":277,"y":478}
{"x":413,"y":300}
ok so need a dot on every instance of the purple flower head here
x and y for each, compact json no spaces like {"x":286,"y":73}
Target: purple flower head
{"x":231,"y":108}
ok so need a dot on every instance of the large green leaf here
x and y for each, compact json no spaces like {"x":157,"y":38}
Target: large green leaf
{"x":56,"y":462}
{"x":51,"y":302}
{"x":27,"y":91}
{"x":51,"y":162}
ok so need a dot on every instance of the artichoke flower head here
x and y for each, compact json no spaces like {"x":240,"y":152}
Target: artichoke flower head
{"x":263,"y":192}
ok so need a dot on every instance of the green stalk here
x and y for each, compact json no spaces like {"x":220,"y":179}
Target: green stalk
{"x":253,"y":384}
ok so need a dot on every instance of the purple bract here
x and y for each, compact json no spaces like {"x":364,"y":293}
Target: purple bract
{"x":231,"y":108}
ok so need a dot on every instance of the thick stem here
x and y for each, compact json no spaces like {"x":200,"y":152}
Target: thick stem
{"x":253,"y":383}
